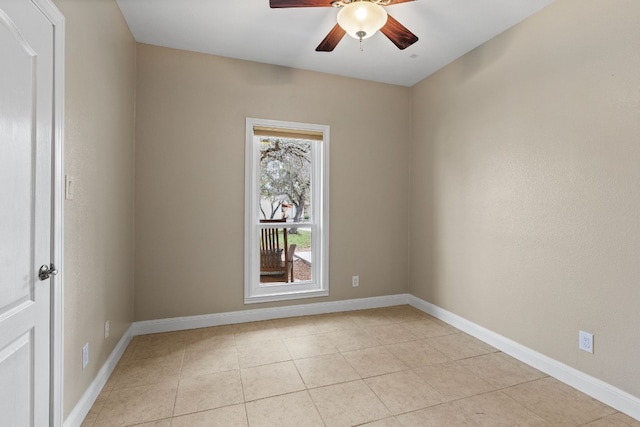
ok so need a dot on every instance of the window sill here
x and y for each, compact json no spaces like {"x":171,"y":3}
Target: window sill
{"x":285,"y":296}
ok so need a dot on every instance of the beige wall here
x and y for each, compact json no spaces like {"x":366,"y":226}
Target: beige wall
{"x":99,"y":150}
{"x":190,"y":136}
{"x":525,"y":180}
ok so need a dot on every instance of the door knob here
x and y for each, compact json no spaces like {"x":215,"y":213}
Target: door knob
{"x":47,"y":271}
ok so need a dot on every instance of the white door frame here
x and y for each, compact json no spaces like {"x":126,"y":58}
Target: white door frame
{"x":51,"y":12}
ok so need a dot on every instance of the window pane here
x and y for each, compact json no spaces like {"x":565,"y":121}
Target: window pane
{"x":286,"y":255}
{"x":285,"y":179}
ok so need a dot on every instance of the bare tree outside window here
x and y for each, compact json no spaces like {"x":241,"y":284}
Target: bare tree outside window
{"x":285,"y":178}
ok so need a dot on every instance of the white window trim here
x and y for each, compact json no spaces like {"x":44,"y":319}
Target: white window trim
{"x":319,"y":287}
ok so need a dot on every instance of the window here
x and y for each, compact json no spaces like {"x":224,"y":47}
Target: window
{"x":286,"y":210}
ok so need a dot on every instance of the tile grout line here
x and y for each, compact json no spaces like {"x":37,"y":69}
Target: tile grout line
{"x":361,"y":326}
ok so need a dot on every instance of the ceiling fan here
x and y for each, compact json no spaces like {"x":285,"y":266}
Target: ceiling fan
{"x":358,"y":18}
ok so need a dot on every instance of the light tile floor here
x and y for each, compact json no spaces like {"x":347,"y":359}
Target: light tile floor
{"x":388,"y":367}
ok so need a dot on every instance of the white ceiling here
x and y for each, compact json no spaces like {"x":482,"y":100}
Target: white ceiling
{"x":251,"y":30}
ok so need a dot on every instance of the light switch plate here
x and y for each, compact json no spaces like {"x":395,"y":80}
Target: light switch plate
{"x":69,"y":187}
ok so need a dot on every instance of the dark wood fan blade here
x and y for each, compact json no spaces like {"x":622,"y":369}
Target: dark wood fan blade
{"x":300,"y":3}
{"x":314,"y":3}
{"x":331,"y":41}
{"x":398,"y":33}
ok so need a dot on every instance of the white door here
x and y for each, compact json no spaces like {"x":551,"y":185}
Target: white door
{"x":26,"y":120}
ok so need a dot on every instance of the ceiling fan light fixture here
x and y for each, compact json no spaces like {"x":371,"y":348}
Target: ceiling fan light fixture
{"x":361,"y":19}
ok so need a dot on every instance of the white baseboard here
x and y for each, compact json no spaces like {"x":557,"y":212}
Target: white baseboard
{"x":192,"y":322}
{"x":604,"y":392}
{"x":82,"y":408}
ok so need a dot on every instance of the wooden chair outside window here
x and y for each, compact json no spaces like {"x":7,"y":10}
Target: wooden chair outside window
{"x":276,"y":261}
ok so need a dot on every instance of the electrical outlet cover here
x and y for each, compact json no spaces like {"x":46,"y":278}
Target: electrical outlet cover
{"x":585,"y":341}
{"x":85,"y":355}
